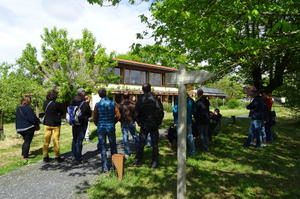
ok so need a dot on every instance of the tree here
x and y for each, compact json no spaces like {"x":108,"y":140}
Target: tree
{"x":67,"y":63}
{"x":14,"y":84}
{"x":259,"y":40}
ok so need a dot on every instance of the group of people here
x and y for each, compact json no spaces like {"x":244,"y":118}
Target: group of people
{"x":202,"y":127}
{"x":147,"y":113}
{"x":262,"y":118}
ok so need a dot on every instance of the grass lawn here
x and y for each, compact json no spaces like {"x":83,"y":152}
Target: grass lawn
{"x":10,"y":148}
{"x":226,"y":171}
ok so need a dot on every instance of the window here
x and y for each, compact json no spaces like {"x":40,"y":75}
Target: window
{"x":117,"y":71}
{"x":134,"y":77}
{"x":127,"y":76}
{"x":155,"y":79}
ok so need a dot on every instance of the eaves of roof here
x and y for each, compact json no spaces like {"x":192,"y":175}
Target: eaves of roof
{"x":140,"y":64}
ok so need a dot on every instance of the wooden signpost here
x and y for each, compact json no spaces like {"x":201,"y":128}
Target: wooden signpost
{"x":182,"y":78}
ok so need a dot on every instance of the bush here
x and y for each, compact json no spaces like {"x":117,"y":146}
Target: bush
{"x":216,"y":102}
{"x":233,"y":103}
{"x":168,"y":107}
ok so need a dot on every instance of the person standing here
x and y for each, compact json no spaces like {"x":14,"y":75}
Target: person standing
{"x":149,"y":115}
{"x":128,"y":126}
{"x":79,"y":130}
{"x":201,"y":116}
{"x":52,"y":121}
{"x":190,"y":110}
{"x":106,"y":114}
{"x":257,"y":115}
{"x":26,"y":120}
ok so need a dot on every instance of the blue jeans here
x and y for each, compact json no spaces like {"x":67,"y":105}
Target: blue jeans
{"x":203,"y":134}
{"x":78,"y":136}
{"x":129,"y":128}
{"x":255,"y":131}
{"x":102,"y":147}
{"x":190,"y":140}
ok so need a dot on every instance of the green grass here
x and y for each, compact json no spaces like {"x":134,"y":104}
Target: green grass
{"x":10,"y":148}
{"x":226,"y":171}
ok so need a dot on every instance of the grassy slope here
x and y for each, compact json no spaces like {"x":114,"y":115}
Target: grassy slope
{"x":226,"y":171}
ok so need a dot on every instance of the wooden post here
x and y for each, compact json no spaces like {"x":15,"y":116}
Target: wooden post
{"x":182,"y":78}
{"x":181,"y":140}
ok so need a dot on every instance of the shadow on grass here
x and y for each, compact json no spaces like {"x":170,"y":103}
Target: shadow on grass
{"x":226,"y":171}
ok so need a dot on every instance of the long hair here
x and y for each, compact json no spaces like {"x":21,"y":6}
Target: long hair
{"x":26,"y":100}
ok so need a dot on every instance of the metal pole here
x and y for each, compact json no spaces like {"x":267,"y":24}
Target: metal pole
{"x":181,"y":142}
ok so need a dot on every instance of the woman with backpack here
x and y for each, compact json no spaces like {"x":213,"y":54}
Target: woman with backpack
{"x":26,"y":123}
{"x":52,"y":121}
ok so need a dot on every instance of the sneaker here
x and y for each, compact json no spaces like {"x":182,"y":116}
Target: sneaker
{"x":46,"y":159}
{"x":59,"y":159}
{"x":263,"y":145}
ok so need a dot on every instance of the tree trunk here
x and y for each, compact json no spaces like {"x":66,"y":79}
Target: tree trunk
{"x":1,"y":126}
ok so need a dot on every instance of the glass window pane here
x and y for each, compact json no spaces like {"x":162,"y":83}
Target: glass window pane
{"x":127,"y":76}
{"x":135,"y":77}
{"x":155,"y":79}
{"x":117,"y":71}
{"x":143,"y":77}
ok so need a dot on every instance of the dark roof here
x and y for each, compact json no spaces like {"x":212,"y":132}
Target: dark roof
{"x":140,"y":64}
{"x":212,"y":92}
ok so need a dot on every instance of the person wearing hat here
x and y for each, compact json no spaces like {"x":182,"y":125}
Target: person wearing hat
{"x":78,"y":130}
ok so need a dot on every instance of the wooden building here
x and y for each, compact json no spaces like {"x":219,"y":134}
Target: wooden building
{"x":134,"y":74}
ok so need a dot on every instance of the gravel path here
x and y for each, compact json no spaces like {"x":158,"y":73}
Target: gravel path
{"x":54,"y":180}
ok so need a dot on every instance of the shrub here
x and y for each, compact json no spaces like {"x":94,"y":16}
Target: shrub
{"x":216,"y":102}
{"x":233,"y":103}
{"x":168,"y":107}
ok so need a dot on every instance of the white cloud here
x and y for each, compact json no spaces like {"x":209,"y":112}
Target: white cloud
{"x":24,"y":21}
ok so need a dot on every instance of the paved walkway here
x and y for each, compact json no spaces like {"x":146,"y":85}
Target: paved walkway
{"x":55,"y":180}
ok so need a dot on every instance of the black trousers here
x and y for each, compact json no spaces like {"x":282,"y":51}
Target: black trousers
{"x":154,"y":143}
{"x":27,"y":137}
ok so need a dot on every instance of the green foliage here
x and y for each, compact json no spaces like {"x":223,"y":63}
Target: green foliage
{"x":233,"y":103}
{"x":68,"y":63}
{"x":15,"y":82}
{"x":256,"y":40}
{"x":216,"y":102}
{"x":168,"y":107}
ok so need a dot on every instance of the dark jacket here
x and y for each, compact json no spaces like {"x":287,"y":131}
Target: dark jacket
{"x":202,"y":111}
{"x":25,"y":118}
{"x":85,"y":109}
{"x":127,"y":110}
{"x":53,"y":113}
{"x":257,"y":108}
{"x":149,"y":111}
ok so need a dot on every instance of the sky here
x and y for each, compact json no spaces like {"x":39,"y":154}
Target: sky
{"x":23,"y":22}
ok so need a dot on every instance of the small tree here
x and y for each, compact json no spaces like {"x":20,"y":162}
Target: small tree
{"x":68,"y":64}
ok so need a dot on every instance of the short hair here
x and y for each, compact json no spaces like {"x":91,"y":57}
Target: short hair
{"x":146,"y":88}
{"x":52,"y":95}
{"x":81,"y":91}
{"x":102,"y":92}
{"x":199,"y":92}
